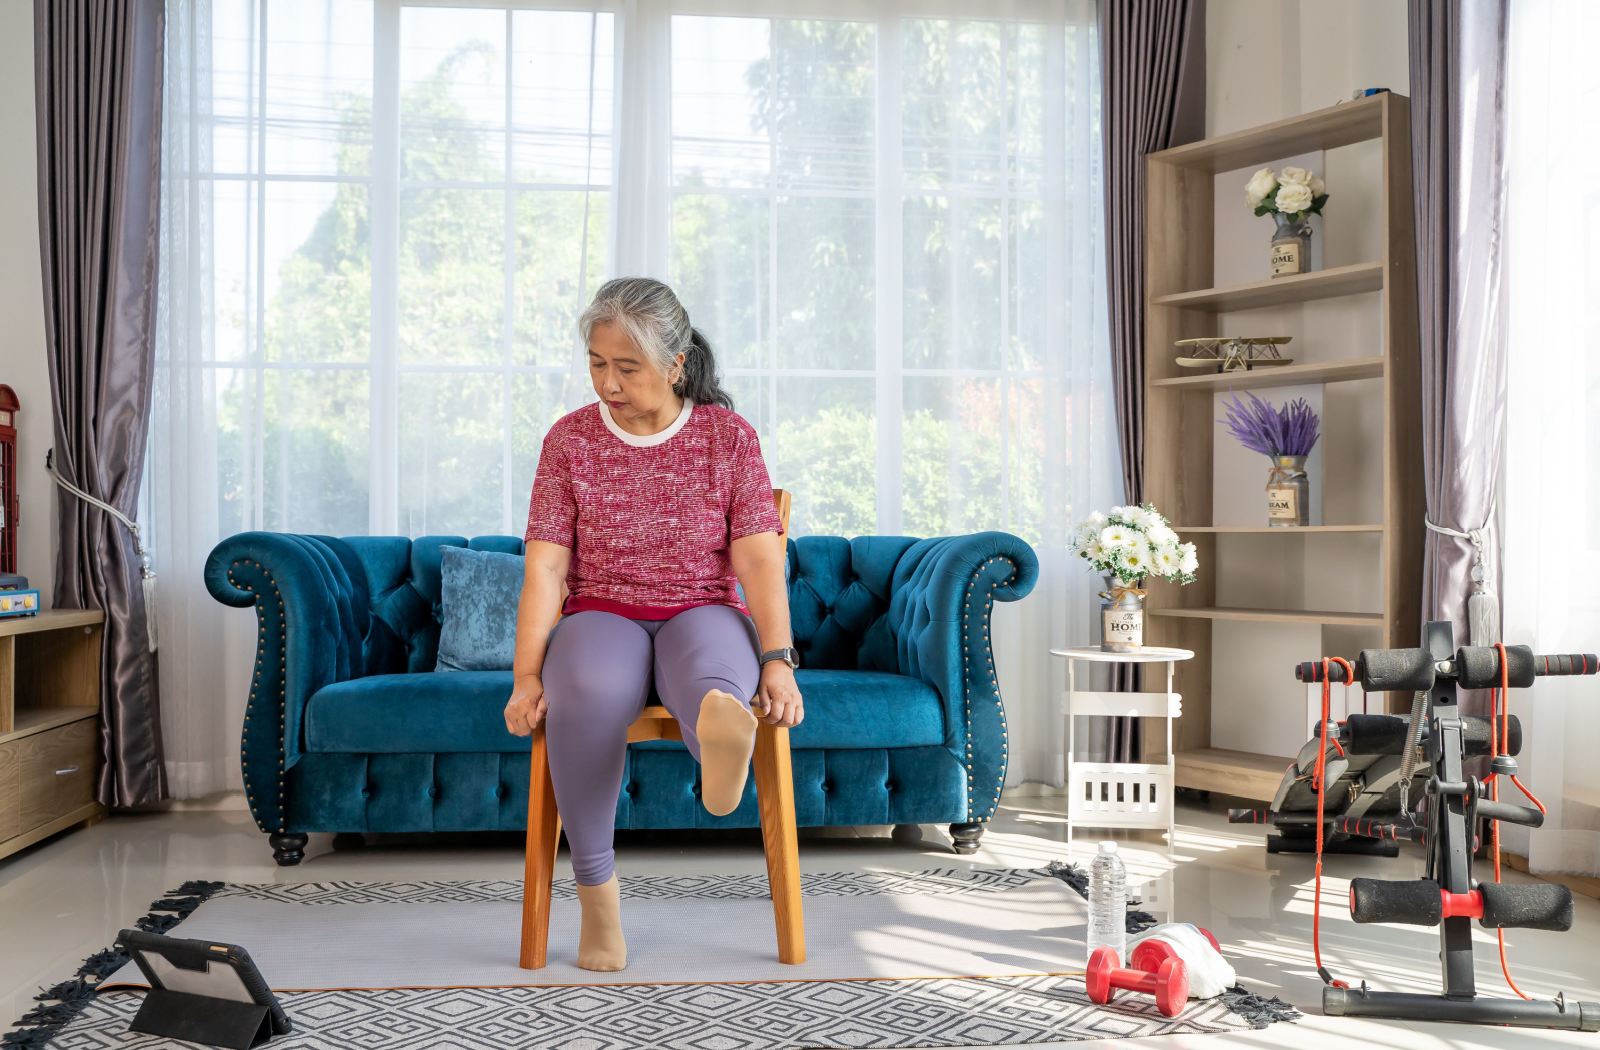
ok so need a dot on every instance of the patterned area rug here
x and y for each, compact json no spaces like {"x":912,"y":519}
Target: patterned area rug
{"x":958,"y":1011}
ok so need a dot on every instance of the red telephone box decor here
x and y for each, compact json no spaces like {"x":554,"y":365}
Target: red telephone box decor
{"x":8,"y":479}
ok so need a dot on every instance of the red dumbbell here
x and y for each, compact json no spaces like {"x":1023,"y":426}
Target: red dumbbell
{"x":1150,"y":953}
{"x":1169,"y":983}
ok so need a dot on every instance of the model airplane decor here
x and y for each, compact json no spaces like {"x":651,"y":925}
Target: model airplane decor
{"x":1234,"y":353}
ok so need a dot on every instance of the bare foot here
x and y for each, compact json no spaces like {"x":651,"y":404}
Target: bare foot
{"x":600,"y":943}
{"x":727,"y":732}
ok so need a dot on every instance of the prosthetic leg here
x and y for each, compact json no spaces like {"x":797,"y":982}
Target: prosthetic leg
{"x":1448,"y":897}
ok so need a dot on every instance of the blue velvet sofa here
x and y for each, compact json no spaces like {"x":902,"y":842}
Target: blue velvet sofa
{"x":349,"y":729}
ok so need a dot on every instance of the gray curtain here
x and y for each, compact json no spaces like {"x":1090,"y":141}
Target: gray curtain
{"x":98,"y":92}
{"x":1153,"y":88}
{"x":1458,"y":163}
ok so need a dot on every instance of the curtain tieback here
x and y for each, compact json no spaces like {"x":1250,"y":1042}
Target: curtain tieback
{"x":147,"y":576}
{"x":1483,"y":607}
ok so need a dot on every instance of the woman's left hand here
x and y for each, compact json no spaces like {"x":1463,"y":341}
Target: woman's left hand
{"x":778,"y":697}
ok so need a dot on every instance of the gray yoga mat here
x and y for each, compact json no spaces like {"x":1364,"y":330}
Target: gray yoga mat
{"x":1037,"y":927}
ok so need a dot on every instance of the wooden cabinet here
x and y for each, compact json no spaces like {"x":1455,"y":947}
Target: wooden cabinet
{"x":49,"y":724}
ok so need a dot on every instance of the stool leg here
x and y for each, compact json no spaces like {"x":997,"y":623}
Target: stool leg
{"x":544,"y":834}
{"x":775,"y":796}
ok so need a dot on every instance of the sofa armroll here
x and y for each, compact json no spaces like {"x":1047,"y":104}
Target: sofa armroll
{"x":308,"y":636}
{"x":939,"y":613}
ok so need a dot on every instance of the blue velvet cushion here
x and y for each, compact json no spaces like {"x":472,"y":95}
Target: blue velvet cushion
{"x":859,"y":709}
{"x":396,"y":714}
{"x":405,"y":713}
{"x":478,"y":595}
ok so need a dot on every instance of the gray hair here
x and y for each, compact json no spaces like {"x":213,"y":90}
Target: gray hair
{"x":656,"y":322}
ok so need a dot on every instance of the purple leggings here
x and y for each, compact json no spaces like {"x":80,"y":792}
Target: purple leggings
{"x":596,"y":677}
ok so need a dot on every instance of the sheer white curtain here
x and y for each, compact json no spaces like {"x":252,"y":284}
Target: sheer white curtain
{"x":383,"y":218}
{"x":1552,"y":479}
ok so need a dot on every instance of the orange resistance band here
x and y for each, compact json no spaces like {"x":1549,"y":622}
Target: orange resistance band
{"x":1500,"y":733}
{"x":1319,"y":787}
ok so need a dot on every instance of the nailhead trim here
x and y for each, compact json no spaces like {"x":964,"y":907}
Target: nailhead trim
{"x":266,"y":616}
{"x":994,"y":684}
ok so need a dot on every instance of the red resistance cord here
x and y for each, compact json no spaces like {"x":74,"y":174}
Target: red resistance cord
{"x":1500,"y":735}
{"x":1319,"y":787}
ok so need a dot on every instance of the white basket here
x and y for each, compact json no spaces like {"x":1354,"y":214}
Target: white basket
{"x":1119,"y":795}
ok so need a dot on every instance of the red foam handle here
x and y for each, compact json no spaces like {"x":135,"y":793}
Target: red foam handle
{"x":1469,"y":904}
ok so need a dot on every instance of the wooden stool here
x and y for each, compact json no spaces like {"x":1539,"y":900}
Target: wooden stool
{"x":774,"y":795}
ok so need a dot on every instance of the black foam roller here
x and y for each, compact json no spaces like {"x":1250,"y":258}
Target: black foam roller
{"x":1478,"y":667}
{"x":1475,"y":735}
{"x":1396,"y":670}
{"x":1376,"y":735}
{"x":1542,"y":906}
{"x":1415,"y":903}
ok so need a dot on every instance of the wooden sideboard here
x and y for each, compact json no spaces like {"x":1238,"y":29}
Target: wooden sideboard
{"x":49,"y":724}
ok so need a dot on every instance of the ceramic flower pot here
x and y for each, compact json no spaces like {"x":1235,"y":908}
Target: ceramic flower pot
{"x":1121,"y":616}
{"x":1291,"y":246}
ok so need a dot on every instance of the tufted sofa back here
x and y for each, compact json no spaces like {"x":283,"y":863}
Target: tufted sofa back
{"x":839,"y":598}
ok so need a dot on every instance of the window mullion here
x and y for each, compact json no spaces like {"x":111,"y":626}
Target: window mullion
{"x":383,"y":463}
{"x":507,"y":339}
{"x":889,"y":280}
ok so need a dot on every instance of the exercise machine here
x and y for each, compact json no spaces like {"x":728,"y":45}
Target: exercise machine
{"x":1439,"y":738}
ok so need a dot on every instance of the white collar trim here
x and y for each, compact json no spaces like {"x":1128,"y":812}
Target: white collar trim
{"x":649,"y":441}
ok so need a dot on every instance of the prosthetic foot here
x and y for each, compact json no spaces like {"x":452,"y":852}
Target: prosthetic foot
{"x":727,"y":732}
{"x":600,"y":943}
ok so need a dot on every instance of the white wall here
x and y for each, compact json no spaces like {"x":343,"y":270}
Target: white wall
{"x":22,"y":353}
{"x":1267,"y":60}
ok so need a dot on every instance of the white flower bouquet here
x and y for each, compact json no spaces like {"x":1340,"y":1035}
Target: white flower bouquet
{"x":1294,"y":191}
{"x":1134,"y":542}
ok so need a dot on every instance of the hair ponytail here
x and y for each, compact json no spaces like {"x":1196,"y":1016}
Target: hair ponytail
{"x":700,"y":382}
{"x":659,"y":326}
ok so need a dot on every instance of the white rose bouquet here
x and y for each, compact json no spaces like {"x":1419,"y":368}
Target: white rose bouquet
{"x":1134,"y":542}
{"x":1294,"y":191}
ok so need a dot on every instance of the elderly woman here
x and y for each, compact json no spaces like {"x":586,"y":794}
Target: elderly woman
{"x":648,"y":506}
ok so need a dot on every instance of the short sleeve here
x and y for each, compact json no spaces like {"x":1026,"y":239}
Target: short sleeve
{"x":552,"y":511}
{"x":751,"y":509}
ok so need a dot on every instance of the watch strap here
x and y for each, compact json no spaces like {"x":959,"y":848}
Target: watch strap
{"x":788,"y":655}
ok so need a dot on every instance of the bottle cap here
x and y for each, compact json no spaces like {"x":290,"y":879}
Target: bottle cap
{"x":1108,"y":845}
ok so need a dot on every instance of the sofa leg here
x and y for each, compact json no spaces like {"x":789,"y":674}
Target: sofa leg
{"x":966,"y":837}
{"x":288,"y":849}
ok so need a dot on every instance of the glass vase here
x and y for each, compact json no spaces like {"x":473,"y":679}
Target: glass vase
{"x":1291,"y":246}
{"x":1288,"y":492}
{"x":1121,"y":616}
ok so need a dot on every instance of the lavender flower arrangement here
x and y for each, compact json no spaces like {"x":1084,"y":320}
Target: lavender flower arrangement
{"x":1288,"y":431}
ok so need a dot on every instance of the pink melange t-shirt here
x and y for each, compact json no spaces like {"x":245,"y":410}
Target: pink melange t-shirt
{"x":649,"y":520}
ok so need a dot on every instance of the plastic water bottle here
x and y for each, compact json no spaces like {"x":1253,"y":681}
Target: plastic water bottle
{"x":1108,"y":902}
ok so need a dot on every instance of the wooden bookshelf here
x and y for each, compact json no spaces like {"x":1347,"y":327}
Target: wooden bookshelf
{"x":1184,"y":303}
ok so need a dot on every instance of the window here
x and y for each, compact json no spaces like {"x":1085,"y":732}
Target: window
{"x":885,"y":226}
{"x":381,"y":219}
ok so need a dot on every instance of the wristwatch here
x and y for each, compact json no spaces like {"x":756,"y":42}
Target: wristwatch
{"x":790,"y":656}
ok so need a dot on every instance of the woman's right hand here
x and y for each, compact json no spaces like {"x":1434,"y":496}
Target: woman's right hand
{"x":525,"y":710}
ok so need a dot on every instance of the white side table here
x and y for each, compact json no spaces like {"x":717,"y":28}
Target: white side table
{"x":1121,"y":794}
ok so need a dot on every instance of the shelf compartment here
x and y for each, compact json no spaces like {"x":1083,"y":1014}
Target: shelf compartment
{"x":1280,"y":291}
{"x":1273,"y":529}
{"x":1241,"y":773}
{"x":1340,"y":125}
{"x":1345,"y":619}
{"x":1279,"y":375}
{"x":30,"y":720}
